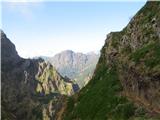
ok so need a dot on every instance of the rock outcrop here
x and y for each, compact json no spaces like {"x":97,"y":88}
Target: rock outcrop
{"x":126,"y":81}
{"x":31,"y":88}
{"x":124,"y":86}
{"x":76,"y":66}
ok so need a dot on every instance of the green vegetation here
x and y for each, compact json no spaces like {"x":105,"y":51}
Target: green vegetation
{"x":150,"y":52}
{"x":130,"y":58}
{"x":37,"y":112}
{"x":115,"y":39}
{"x":99,"y":100}
{"x":136,"y":56}
{"x":126,"y":50}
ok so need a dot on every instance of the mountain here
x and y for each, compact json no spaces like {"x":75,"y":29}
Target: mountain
{"x":126,"y":81}
{"x":31,"y":89}
{"x":76,"y":66}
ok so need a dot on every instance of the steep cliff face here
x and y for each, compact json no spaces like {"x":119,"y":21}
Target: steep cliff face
{"x":128,"y":72}
{"x":31,"y":88}
{"x":136,"y":53}
{"x":76,"y":66}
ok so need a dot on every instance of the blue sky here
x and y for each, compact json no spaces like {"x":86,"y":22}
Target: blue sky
{"x":46,"y":28}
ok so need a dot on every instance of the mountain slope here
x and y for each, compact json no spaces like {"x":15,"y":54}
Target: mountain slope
{"x":31,"y":88}
{"x":76,"y":66}
{"x":126,"y":81}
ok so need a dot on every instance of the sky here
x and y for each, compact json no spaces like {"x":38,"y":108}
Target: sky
{"x":46,"y":28}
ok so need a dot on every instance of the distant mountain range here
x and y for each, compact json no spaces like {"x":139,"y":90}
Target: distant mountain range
{"x":76,"y":66}
{"x":124,"y":86}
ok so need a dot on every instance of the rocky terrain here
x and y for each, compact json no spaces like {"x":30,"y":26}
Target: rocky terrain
{"x":126,"y":82}
{"x":76,"y":66}
{"x":31,"y":88}
{"x":124,"y":86}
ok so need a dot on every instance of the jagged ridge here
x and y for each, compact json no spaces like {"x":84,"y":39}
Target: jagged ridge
{"x":76,"y":66}
{"x":31,"y":88}
{"x":128,"y":72}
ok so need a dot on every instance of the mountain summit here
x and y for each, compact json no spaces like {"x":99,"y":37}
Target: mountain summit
{"x":30,"y":87}
{"x":125,"y":84}
{"x":76,"y":66}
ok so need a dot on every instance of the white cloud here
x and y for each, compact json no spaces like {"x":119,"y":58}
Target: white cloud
{"x":23,"y":7}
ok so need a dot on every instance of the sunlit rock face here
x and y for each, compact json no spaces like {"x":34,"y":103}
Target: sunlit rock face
{"x":77,"y":66}
{"x":31,"y":88}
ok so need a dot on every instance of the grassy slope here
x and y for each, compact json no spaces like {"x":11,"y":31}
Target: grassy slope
{"x":101,"y":98}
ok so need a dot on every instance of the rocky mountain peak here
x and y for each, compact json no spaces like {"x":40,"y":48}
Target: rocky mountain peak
{"x":30,"y":87}
{"x":76,"y":66}
{"x":8,"y":52}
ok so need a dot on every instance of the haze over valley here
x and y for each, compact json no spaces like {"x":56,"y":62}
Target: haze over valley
{"x":50,"y":72}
